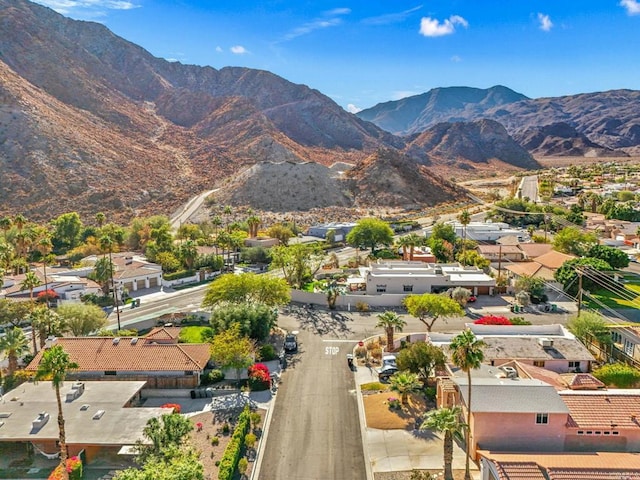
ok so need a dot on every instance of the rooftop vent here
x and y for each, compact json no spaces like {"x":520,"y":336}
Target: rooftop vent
{"x":49,"y":342}
{"x":85,"y":407}
{"x":545,"y":342}
{"x":5,"y":414}
{"x":116,"y":341}
{"x":77,"y":389}
{"x":98,"y":415}
{"x":134,"y":340}
{"x":40,"y":421}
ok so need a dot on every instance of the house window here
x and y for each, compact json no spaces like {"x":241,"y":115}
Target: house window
{"x":381,"y":288}
{"x":407,"y":288}
{"x":110,"y":372}
{"x":538,"y":363}
{"x":574,"y":364}
{"x":628,"y":347}
{"x":188,"y":373}
{"x":542,"y":418}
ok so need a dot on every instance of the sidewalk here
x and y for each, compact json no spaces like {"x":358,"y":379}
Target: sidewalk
{"x":401,"y":450}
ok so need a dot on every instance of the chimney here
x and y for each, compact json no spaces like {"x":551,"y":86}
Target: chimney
{"x":49,"y":342}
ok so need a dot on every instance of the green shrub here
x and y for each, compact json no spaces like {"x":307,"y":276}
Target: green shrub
{"x":243,"y":464}
{"x":268,"y":352}
{"x":231,"y":457}
{"x":215,"y":376}
{"x":362,"y":306}
{"x":519,"y":321}
{"x":226,"y":429}
{"x":250,"y":440}
{"x":178,"y":274}
{"x":430,"y":393}
{"x":373,"y":386}
{"x":215,"y":441}
{"x":618,"y":375}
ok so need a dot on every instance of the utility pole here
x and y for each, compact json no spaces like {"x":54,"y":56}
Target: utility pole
{"x":113,"y":289}
{"x":499,"y":262}
{"x":579,"y":271}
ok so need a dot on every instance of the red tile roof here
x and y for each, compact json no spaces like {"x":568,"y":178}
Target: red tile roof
{"x":130,"y":354}
{"x":603,"y":410}
{"x":533,"y":250}
{"x":519,"y":471}
{"x":553,"y":259}
{"x":163,"y":333}
{"x":582,"y":381}
{"x":592,"y":474}
{"x":597,"y":462}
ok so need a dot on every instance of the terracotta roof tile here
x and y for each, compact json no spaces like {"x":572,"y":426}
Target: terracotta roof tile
{"x":163,"y":333}
{"x":532,"y":250}
{"x":603,"y":410}
{"x":595,"y":461}
{"x":524,"y":268}
{"x":582,"y":381}
{"x":520,"y":471}
{"x":553,"y":259}
{"x":129,"y":354}
{"x":592,"y":474}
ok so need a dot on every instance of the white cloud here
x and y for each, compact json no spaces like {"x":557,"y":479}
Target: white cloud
{"x":351,"y":108}
{"x":456,"y":59}
{"x":545,"y":22}
{"x":219,"y":49}
{"x":239,"y":50}
{"x":67,"y":6}
{"x":631,"y":6}
{"x":391,"y":17}
{"x":431,"y":27}
{"x":330,"y":18}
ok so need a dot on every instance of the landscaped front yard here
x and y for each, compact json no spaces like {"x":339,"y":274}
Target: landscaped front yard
{"x":629,"y":296}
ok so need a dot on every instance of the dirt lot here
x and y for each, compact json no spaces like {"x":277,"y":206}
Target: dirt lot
{"x":379,"y":415}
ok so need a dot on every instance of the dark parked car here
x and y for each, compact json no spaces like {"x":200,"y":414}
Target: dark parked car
{"x":386,"y":371}
{"x":290,"y":343}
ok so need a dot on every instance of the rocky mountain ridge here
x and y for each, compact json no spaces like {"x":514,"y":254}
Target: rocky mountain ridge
{"x":610,"y":120}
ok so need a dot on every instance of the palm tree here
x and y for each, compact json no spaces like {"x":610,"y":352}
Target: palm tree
{"x":14,"y":344}
{"x":404,"y":242}
{"x":5,"y":224}
{"x":100,"y":219}
{"x":445,"y":420}
{"x":390,"y":321}
{"x":54,"y":365}
{"x":466,"y":353}
{"x":6,"y":254}
{"x":30,"y":282}
{"x":46,"y":322}
{"x":254,"y":223}
{"x":405,"y":383}
{"x":227,"y":212}
{"x":465,"y":219}
{"x":44,"y":246}
{"x":188,"y":253}
{"x":106,"y":244}
{"x":413,"y":241}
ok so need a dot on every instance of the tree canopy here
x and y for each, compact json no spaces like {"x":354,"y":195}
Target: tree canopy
{"x":299,"y":262}
{"x":255,"y":320}
{"x":247,"y":288}
{"x":369,"y":233}
{"x":573,"y":241}
{"x":421,"y":358}
{"x":428,"y":307}
{"x":590,"y":324}
{"x":229,"y":349}
{"x":613,"y":256}
{"x":81,"y":319}
{"x":567,"y":274}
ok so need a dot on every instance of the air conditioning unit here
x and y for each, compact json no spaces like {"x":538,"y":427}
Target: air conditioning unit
{"x":545,"y":342}
{"x":510,"y":372}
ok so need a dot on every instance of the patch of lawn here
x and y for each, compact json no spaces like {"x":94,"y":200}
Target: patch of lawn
{"x":374,"y":386}
{"x":192,"y":334}
{"x":614,"y":300}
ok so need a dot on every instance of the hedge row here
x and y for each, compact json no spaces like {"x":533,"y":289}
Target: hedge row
{"x":178,"y":274}
{"x":231,"y":457}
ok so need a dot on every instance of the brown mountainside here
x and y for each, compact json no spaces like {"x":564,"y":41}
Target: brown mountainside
{"x":90,"y":122}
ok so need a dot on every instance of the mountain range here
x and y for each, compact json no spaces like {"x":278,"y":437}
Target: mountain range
{"x":90,"y":122}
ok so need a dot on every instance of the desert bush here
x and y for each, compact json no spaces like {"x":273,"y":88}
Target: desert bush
{"x":362,"y":306}
{"x":267,"y":353}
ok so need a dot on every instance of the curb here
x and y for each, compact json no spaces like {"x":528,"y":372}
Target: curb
{"x":363,"y":427}
{"x":363,"y":433}
{"x":255,"y":472}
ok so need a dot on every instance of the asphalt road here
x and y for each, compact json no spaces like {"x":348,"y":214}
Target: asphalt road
{"x":529,"y":188}
{"x":315,"y":428}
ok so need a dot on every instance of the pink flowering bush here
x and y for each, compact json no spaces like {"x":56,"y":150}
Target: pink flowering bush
{"x":493,"y":320}
{"x":259,"y":377}
{"x":74,"y":469}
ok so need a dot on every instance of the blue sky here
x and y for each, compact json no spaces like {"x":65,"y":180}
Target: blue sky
{"x":361,"y":53}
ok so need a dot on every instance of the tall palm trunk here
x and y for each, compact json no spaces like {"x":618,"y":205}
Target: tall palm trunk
{"x":467,"y":472}
{"x":448,"y":455}
{"x":62,"y":436}
{"x":390,"y":331}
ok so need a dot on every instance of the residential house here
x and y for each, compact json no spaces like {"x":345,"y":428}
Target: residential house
{"x":501,"y":253}
{"x":533,"y":250}
{"x":66,"y":287}
{"x":606,"y":420}
{"x":543,"y":266}
{"x":100,"y":417}
{"x":548,"y":346}
{"x":132,"y":272}
{"x":400,"y":277}
{"x":559,"y":466}
{"x":158,"y":360}
{"x":341,"y":230}
{"x":489,"y":231}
